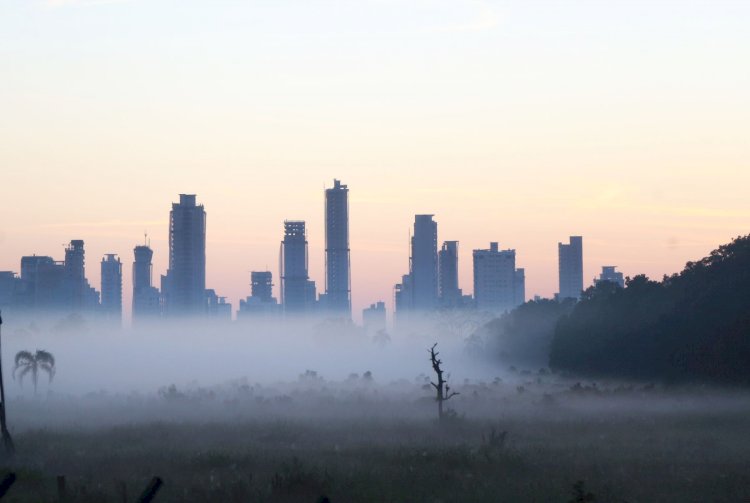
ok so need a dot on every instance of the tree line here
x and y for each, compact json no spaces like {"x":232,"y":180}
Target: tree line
{"x":691,"y":326}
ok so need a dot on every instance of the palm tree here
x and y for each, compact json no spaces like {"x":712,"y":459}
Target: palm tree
{"x":27,"y":362}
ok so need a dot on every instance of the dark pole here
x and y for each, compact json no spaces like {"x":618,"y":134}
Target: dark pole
{"x":7,"y":441}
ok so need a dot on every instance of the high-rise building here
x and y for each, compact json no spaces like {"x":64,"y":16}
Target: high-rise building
{"x":297,"y":291}
{"x":424,"y":263}
{"x":49,"y":285}
{"x":75,"y":273}
{"x":519,"y":288}
{"x":611,"y":274}
{"x":418,"y":290}
{"x":184,"y":286}
{"x":498,"y":285}
{"x":261,"y":285}
{"x":449,"y":293}
{"x":43,"y":284}
{"x":80,"y":294}
{"x":373,"y":317}
{"x":9,"y":289}
{"x":112,"y":286}
{"x":261,"y":300}
{"x":146,"y":303}
{"x":217,"y":306}
{"x":570,"y":261}
{"x":403,"y":298}
{"x":338,"y":283}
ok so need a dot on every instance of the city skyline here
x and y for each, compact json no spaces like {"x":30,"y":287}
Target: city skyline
{"x":298,"y":228}
{"x":508,"y":121}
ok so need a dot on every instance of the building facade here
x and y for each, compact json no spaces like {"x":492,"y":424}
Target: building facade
{"x":611,"y":274}
{"x":570,"y":266}
{"x":498,"y":285}
{"x":146,"y":297}
{"x":111,"y":277}
{"x":424,"y":264}
{"x":184,"y":286}
{"x":449,"y":293}
{"x":261,"y":301}
{"x":297,"y":291}
{"x":337,"y":253}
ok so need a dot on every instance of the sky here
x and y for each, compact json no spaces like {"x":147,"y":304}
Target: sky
{"x":521,"y":122}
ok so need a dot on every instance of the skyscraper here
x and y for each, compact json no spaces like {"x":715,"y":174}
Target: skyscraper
{"x":112,"y":287}
{"x":497,"y":282}
{"x":261,"y":300}
{"x":75,"y":273}
{"x":80,"y":295}
{"x":373,"y":317}
{"x":519,"y":288}
{"x":570,"y":261}
{"x":184,"y":286}
{"x":449,"y":293}
{"x":145,"y":297}
{"x":297,"y":291}
{"x":424,"y":263}
{"x":338,"y":283}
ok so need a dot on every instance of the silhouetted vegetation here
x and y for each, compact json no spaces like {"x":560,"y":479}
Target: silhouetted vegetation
{"x":692,"y":326}
{"x":442,"y":389}
{"x":27,"y":362}
{"x":524,"y":334}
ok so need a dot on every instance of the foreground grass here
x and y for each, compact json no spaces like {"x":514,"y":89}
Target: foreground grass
{"x":699,"y":457}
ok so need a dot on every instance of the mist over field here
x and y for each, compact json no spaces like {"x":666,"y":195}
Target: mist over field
{"x":95,"y":356}
{"x":292,"y":411}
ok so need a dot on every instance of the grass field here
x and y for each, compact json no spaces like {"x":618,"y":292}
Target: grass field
{"x":371,"y":444}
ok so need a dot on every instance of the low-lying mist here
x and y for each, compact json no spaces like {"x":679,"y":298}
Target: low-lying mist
{"x":311,"y":370}
{"x":95,"y":357}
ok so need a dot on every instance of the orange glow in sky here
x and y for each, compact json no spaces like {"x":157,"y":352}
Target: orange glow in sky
{"x":517,"y":122}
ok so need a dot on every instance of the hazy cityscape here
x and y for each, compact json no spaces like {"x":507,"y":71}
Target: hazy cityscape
{"x":432,"y":282}
{"x":374,"y":251}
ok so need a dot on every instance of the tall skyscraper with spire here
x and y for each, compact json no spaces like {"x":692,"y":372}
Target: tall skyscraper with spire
{"x":338,"y":281}
{"x":184,"y":286}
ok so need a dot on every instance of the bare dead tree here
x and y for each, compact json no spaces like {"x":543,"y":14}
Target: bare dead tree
{"x":443,"y":391}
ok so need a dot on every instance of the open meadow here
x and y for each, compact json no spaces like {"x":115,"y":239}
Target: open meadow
{"x":530,"y":437}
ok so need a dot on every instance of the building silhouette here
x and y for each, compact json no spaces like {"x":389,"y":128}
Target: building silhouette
{"x":449,"y":293}
{"x":146,"y":298}
{"x":81,"y":296}
{"x":42,"y":284}
{"x":403,"y":299}
{"x":611,"y":274}
{"x":570,"y":263}
{"x":424,"y":263}
{"x":519,"y":288}
{"x":374,"y":317}
{"x":297,"y":291}
{"x":184,"y":286}
{"x":338,"y":281}
{"x":111,"y":277}
{"x":418,"y":290}
{"x":261,"y":301}
{"x":217,"y":306}
{"x":498,"y":285}
{"x":49,"y":285}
